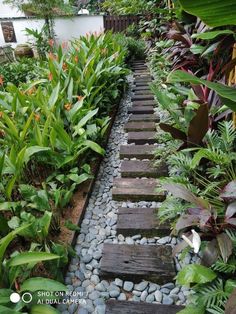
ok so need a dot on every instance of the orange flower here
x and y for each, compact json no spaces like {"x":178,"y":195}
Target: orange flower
{"x":64,"y":66}
{"x":80,"y":98}
{"x":50,"y":76}
{"x":51,"y":42}
{"x":31,"y":90}
{"x":1,"y":114}
{"x":37,"y":117}
{"x":1,"y":80}
{"x":64,"y":45}
{"x":68,"y":106}
{"x":52,"y":56}
{"x":76,"y":59}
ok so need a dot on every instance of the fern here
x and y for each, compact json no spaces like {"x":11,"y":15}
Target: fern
{"x":232,"y":235}
{"x":222,"y":139}
{"x":228,"y":134}
{"x":180,"y":163}
{"x":216,"y":310}
{"x":227,"y":268}
{"x":213,"y":295}
{"x":170,"y":209}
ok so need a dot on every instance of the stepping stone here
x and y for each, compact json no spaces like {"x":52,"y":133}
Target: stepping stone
{"x":129,"y":189}
{"x":142,"y":168}
{"x":139,"y":62}
{"x":141,"y":69}
{"x":146,"y":137}
{"x":141,"y":110}
{"x":132,"y":221}
{"x":138,"y":151}
{"x":145,"y":78}
{"x":144,"y":117}
{"x":142,"y":84}
{"x":149,"y":102}
{"x":140,"y":65}
{"x":142,"y":97}
{"x":137,"y":262}
{"x":141,"y":74}
{"x":130,"y":307}
{"x":142,"y":92}
{"x":135,"y":88}
{"x":140,"y":126}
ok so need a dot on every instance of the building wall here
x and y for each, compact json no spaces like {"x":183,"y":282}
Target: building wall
{"x":6,"y":11}
{"x":65,"y":28}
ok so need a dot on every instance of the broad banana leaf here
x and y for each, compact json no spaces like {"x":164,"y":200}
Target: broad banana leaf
{"x":212,"y":12}
{"x":227,"y":94}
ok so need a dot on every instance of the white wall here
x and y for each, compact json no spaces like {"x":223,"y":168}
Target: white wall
{"x":65,"y":28}
{"x":6,"y":11}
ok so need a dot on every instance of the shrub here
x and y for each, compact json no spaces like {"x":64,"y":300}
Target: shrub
{"x":135,"y":48}
{"x":19,"y":72}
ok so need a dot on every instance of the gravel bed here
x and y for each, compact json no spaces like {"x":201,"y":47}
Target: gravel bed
{"x":98,"y":227}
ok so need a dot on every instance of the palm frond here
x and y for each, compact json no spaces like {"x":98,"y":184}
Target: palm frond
{"x":226,"y":268}
{"x":213,"y":295}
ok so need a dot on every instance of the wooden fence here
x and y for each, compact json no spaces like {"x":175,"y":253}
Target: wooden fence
{"x":119,"y":23}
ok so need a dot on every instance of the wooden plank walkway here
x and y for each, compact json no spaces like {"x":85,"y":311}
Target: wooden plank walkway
{"x":130,"y":189}
{"x":132,"y":221}
{"x":142,"y":97}
{"x":142,"y":88}
{"x":142,"y":92}
{"x":128,"y":307}
{"x":147,"y":137}
{"x":142,"y":84}
{"x":144,"y":117}
{"x":138,"y":151}
{"x":144,"y":103}
{"x":137,"y":262}
{"x":142,"y":168}
{"x":140,"y":126}
{"x":141,"y":110}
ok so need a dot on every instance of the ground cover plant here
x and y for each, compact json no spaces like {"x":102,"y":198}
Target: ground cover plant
{"x":18,"y":72}
{"x":51,"y":130}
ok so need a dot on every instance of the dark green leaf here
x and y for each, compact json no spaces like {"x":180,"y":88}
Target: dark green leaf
{"x":213,"y":12}
{"x":228,"y":93}
{"x":44,"y":284}
{"x":212,"y":34}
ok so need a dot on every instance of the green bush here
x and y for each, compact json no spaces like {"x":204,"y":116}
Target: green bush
{"x":135,"y":48}
{"x":19,"y":71}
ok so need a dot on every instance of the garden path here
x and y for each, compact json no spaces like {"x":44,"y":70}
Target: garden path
{"x":123,"y":254}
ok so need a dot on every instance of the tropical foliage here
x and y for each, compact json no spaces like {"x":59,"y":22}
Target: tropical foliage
{"x":193,"y":61}
{"x":51,"y":130}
